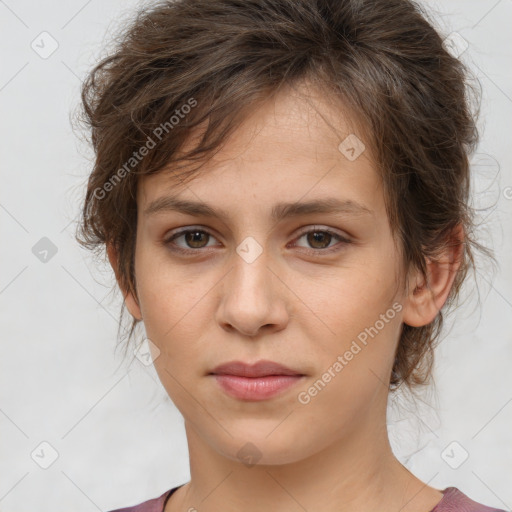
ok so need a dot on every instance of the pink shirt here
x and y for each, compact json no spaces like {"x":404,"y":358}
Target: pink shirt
{"x":453,"y":500}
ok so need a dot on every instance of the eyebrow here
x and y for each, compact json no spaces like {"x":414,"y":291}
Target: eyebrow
{"x":279,"y":211}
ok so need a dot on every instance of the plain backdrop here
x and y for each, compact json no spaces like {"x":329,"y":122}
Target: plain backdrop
{"x":82,"y":430}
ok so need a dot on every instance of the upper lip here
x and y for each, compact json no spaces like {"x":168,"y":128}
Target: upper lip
{"x":259,"y":369}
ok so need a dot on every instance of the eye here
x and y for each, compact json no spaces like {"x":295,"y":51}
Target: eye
{"x":193,"y":239}
{"x":319,"y":240}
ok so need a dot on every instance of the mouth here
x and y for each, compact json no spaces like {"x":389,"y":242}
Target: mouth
{"x":255,"y":382}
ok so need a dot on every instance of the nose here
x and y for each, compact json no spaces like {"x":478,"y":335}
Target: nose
{"x":253,"y":298}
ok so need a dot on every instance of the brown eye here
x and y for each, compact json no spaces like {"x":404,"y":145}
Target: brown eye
{"x":195,"y":239}
{"x":189,"y":241}
{"x":319,"y":242}
{"x":319,"y":239}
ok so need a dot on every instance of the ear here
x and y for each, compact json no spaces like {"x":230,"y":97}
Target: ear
{"x":425,"y":299}
{"x":131,"y":301}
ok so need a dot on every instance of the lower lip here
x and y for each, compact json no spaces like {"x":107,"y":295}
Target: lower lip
{"x":256,"y":388}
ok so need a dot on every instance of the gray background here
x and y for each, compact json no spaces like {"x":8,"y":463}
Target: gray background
{"x":118,"y":437}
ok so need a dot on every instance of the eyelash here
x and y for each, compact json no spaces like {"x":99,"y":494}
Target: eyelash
{"x":315,"y":252}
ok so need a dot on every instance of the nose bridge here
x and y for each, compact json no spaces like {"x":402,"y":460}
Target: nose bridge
{"x":250,"y":278}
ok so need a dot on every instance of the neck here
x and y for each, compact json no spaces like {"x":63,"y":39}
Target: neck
{"x":357,"y":473}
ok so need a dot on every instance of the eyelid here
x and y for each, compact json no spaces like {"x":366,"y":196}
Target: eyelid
{"x":318,"y":227}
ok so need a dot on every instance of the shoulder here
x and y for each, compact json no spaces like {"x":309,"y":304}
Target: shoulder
{"x":152,"y":505}
{"x":455,"y":500}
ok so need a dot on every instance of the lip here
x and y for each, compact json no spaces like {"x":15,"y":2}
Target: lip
{"x":262,"y":368}
{"x":259,"y":381}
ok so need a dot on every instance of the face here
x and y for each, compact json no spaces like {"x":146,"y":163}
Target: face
{"x":312,"y":288}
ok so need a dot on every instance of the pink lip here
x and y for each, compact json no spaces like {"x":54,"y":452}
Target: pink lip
{"x":259,"y":381}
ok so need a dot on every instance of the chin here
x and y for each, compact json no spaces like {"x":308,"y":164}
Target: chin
{"x":266,"y":446}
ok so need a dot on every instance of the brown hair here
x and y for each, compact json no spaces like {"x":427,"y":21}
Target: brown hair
{"x":383,"y":58}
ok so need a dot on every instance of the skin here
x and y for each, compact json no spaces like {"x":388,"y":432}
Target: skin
{"x":298,"y":308}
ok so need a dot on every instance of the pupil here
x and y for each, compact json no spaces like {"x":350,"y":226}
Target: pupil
{"x":193,"y":237}
{"x":318,"y":236}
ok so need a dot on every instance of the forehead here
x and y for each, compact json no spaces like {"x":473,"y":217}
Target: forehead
{"x":296,"y":141}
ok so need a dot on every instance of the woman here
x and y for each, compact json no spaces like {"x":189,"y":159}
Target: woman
{"x":282,"y":188}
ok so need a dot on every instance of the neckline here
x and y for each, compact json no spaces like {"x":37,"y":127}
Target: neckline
{"x":170,"y":492}
{"x":447,"y":491}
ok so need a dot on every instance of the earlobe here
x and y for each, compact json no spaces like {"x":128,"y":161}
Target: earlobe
{"x":131,"y":302}
{"x":425,"y":298}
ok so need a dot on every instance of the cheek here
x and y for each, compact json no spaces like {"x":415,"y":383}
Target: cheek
{"x":353,"y":311}
{"x":352,"y":295}
{"x":167,"y":292}
{"x":175,"y":308}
